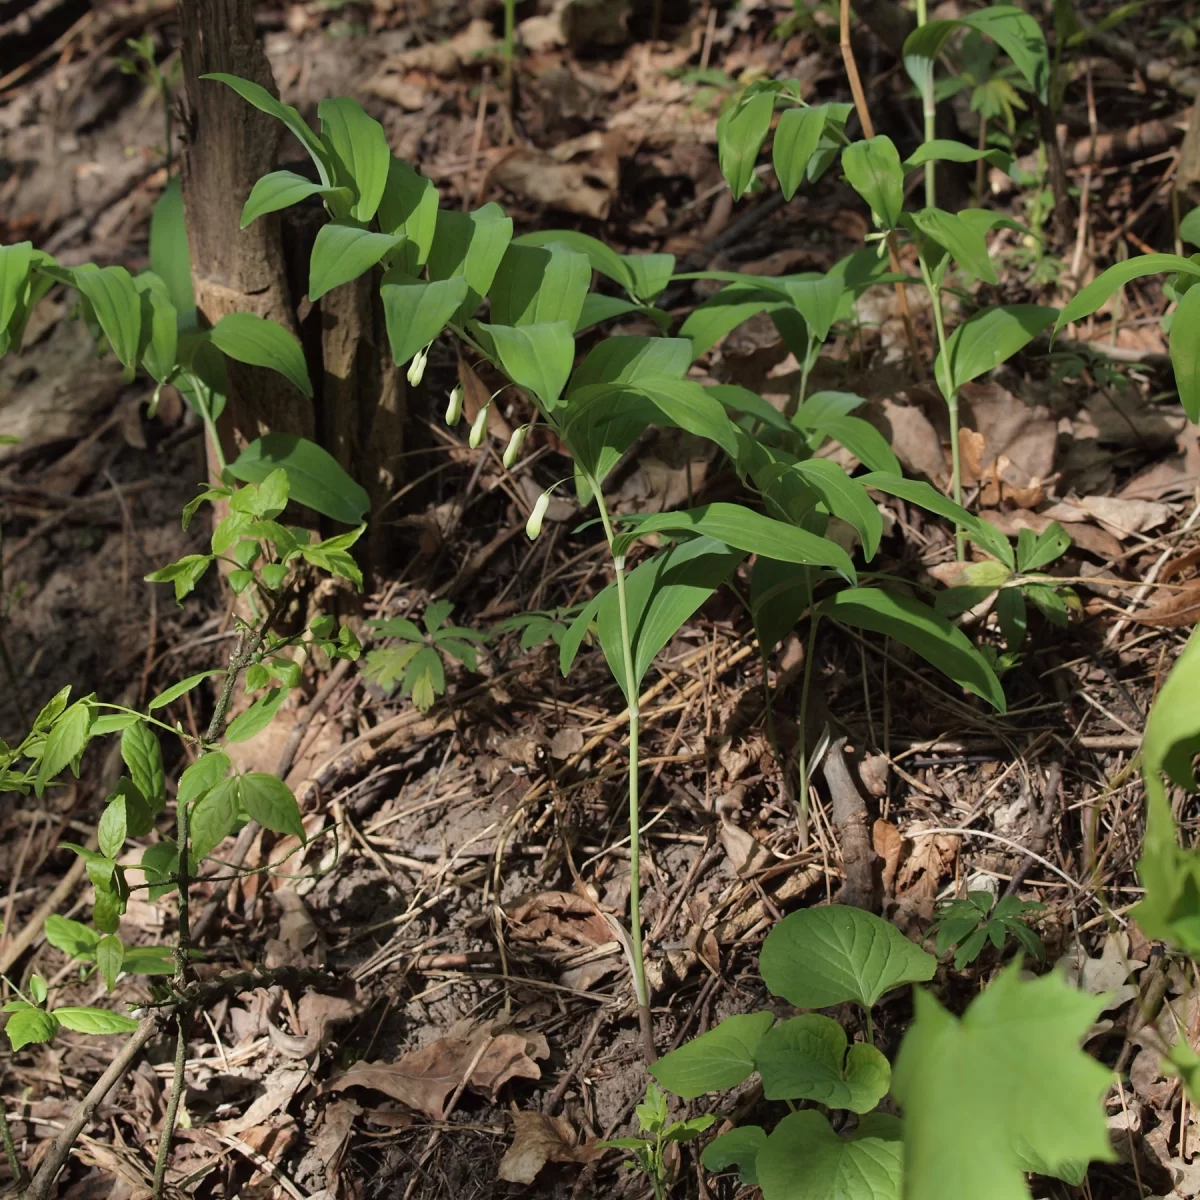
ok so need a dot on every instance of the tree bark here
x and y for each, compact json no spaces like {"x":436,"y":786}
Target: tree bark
{"x":358,"y":412}
{"x":228,"y":145}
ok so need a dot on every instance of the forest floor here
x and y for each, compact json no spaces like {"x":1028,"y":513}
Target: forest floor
{"x":461,"y":862}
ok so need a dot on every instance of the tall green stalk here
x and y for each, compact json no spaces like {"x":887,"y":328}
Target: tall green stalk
{"x":638,"y":965}
{"x":949,"y":393}
{"x":929,"y":111}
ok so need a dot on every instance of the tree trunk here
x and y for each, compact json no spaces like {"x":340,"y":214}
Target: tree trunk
{"x":228,"y":145}
{"x":358,"y":411}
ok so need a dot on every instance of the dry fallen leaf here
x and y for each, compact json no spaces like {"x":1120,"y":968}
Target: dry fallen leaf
{"x":445,"y":58}
{"x":279,"y":1088}
{"x":888,"y":843}
{"x":1174,"y":609}
{"x":537,"y":1140}
{"x":1120,"y":517}
{"x":559,"y":921}
{"x":1105,"y":975}
{"x":424,"y":1079}
{"x":921,"y":873}
{"x":536,"y":176}
{"x":746,"y":853}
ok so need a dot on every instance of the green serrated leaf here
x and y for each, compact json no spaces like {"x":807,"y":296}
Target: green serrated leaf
{"x":1007,"y":1079}
{"x":213,"y":818}
{"x":110,"y":953}
{"x":65,"y":742}
{"x":94,"y":1020}
{"x":29,"y":1027}
{"x":142,"y":753}
{"x":270,"y":802}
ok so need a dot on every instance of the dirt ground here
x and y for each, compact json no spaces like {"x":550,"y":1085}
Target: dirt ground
{"x":462,"y":864}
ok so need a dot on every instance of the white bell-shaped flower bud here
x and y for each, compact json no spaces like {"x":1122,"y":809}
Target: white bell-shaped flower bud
{"x":513,"y":449}
{"x":455,"y":406}
{"x":534,"y":525}
{"x":416,"y":368}
{"x":478,"y":428}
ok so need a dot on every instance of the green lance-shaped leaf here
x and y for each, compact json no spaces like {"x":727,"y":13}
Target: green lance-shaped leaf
{"x":359,"y":151}
{"x":409,"y":207}
{"x":73,"y":938}
{"x":170,"y":257}
{"x":598,"y":308}
{"x":117,"y":305}
{"x":741,"y":130}
{"x":15,"y":261}
{"x":726,"y":310}
{"x":94,"y":1020}
{"x":844,"y":497}
{"x":537,"y":358}
{"x":206,"y":772}
{"x":539,"y":284}
{"x":257,"y":95}
{"x":803,"y":1159}
{"x":1102,"y":287}
{"x":737,"y":1148}
{"x":603,"y":259}
{"x":269,"y":801}
{"x":806,"y":1058}
{"x":780,"y":593}
{"x":817,"y":957}
{"x":1189,"y":228}
{"x":719,"y":1059}
{"x":874,"y":171}
{"x":178,"y":689}
{"x":159,"y":347}
{"x":342,"y":252}
{"x":142,"y":753}
{"x":282,"y":189}
{"x":257,"y":717}
{"x":921,"y":629}
{"x":797,"y":137}
{"x":817,"y":298}
{"x":471,"y":245}
{"x":213,"y":818}
{"x":261,"y":343}
{"x":947,"y":150}
{"x":417,"y":311}
{"x":1014,"y":30}
{"x":986,"y":340}
{"x":742,"y":401}
{"x":1170,"y":909}
{"x":1007,"y":1082}
{"x":661,"y":594}
{"x":650,"y":274}
{"x":961,"y":240}
{"x":746,"y":530}
{"x":64,"y":743}
{"x":631,"y":360}
{"x":1185,"y":351}
{"x":110,"y":954}
{"x":315,"y":478}
{"x":917,"y":491}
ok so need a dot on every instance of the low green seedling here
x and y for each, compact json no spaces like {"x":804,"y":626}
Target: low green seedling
{"x":658,"y":1131}
{"x":418,"y":663}
{"x":969,"y":924}
{"x":983,"y":1096}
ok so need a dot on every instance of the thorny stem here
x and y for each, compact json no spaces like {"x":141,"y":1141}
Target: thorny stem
{"x":172,"y":1113}
{"x":641,"y":991}
{"x":950,"y":393}
{"x":20,"y":1179}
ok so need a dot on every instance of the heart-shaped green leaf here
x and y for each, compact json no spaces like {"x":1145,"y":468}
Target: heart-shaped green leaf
{"x":806,"y":1059}
{"x":821,"y":956}
{"x":719,"y":1059}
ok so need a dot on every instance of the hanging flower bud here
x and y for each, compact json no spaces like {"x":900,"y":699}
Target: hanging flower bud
{"x":455,"y":407}
{"x":416,"y":368}
{"x":514,"y":446}
{"x":534,"y":525}
{"x":478,"y":428}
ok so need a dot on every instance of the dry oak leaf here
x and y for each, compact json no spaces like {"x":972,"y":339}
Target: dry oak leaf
{"x":921,"y":873}
{"x":424,"y":1079}
{"x":888,"y":842}
{"x":536,"y":176}
{"x":559,"y":920}
{"x":537,"y":1140}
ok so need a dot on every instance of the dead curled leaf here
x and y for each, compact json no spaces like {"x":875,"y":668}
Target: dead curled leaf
{"x":536,"y":176}
{"x":424,"y":1079}
{"x":537,"y":1140}
{"x":1180,"y":605}
{"x":560,"y":921}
